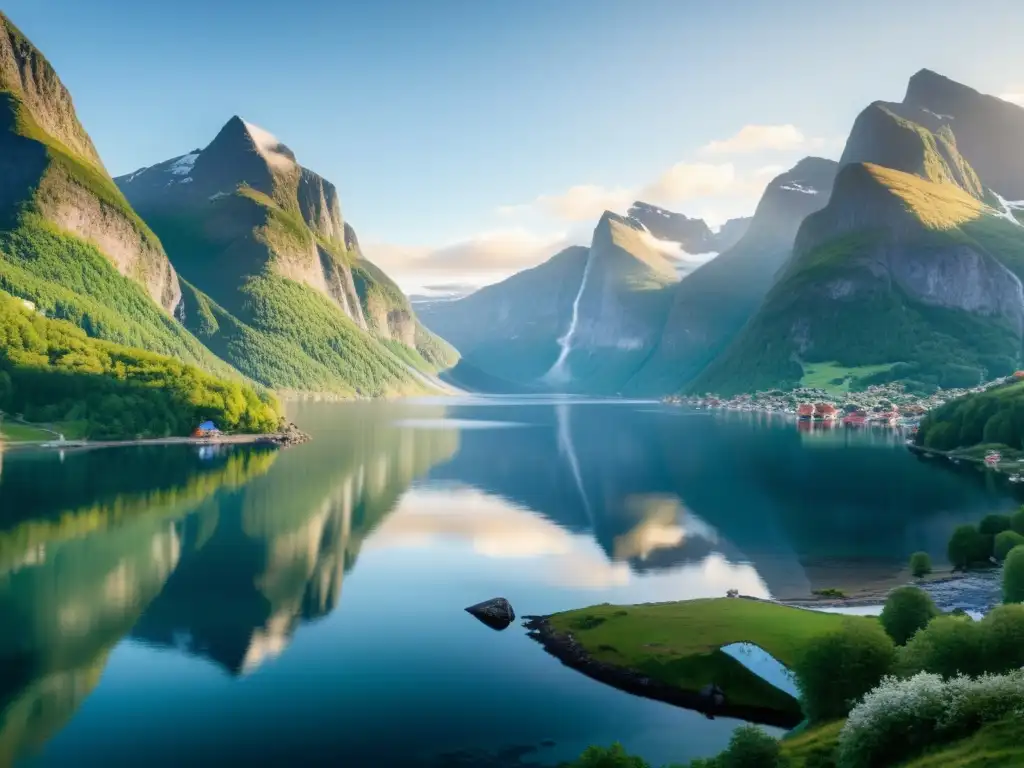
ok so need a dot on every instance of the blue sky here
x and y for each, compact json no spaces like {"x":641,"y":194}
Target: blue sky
{"x":454,"y":128}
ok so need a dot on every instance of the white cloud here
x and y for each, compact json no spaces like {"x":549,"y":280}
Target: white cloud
{"x":584,"y":202}
{"x":687,"y":181}
{"x":756,"y":138}
{"x":480,"y":259}
{"x":1014,"y":98}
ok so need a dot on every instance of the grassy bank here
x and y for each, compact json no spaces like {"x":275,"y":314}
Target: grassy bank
{"x":678,"y":644}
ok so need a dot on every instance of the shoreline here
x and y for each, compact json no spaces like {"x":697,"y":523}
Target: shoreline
{"x":571,"y":654}
{"x":277,"y":439}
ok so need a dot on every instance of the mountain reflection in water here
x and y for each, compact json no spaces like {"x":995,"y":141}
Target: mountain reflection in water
{"x":224,"y":557}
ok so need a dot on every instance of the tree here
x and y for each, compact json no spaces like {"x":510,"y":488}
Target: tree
{"x":750,"y":747}
{"x":1005,"y":542}
{"x":992,"y":525}
{"x":907,"y":609}
{"x":948,"y":646}
{"x":966,"y":546}
{"x":6,"y":390}
{"x":920,"y":564}
{"x":1002,"y":638}
{"x":1013,"y":576}
{"x":1017,"y":521}
{"x":836,"y":668}
{"x":614,"y":756}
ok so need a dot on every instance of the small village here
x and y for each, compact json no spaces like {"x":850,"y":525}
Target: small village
{"x":885,"y":405}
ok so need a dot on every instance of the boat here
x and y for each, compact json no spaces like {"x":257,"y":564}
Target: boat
{"x":992,"y":458}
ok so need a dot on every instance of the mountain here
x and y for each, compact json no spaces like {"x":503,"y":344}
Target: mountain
{"x":913,"y":270}
{"x":275,"y":281}
{"x":694,"y":235}
{"x":69,"y":241}
{"x":584,"y":320}
{"x":712,"y":304}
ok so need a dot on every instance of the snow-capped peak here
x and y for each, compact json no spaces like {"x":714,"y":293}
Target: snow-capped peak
{"x":1007,"y":208}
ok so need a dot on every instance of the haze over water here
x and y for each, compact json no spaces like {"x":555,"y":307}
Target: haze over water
{"x":305,"y":607}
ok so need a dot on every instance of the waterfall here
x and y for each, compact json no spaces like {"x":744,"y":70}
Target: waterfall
{"x":557,"y":371}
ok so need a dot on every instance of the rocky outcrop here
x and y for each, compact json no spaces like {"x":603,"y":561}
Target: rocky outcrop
{"x":693,"y":235}
{"x":496,"y":613}
{"x":51,"y":168}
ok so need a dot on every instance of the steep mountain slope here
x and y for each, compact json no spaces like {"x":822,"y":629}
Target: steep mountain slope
{"x":69,"y":241}
{"x":711,"y":305}
{"x":989,"y":131}
{"x":897,"y":272}
{"x":914,"y":268}
{"x":276,"y":282}
{"x":510,"y":330}
{"x":582,"y":321}
{"x":621,"y":308}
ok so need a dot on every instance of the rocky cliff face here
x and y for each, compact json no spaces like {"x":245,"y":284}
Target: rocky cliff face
{"x":694,"y":235}
{"x":241,"y":214}
{"x":51,"y":168}
{"x":711,"y":305}
{"x":989,"y":131}
{"x":912,"y":272}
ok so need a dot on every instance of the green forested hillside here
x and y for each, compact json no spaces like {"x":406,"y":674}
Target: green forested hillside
{"x":995,"y":416}
{"x":51,"y":371}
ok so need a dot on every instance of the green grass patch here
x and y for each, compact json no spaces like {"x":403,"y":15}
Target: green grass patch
{"x":807,"y":744}
{"x":678,"y":643}
{"x":997,"y":744}
{"x":836,"y":378}
{"x":24,"y":433}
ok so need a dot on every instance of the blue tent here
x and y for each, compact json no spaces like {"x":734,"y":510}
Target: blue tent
{"x":207,"y":426}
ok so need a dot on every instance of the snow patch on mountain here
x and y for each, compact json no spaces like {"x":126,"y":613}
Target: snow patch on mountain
{"x":182,"y":166}
{"x":796,"y":186}
{"x":1007,"y":207}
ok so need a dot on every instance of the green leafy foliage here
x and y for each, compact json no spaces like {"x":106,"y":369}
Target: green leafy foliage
{"x":69,"y":279}
{"x":750,"y":747}
{"x":920,"y":564}
{"x":835,"y":669}
{"x":990,"y":525}
{"x":948,"y":646}
{"x":614,"y":756}
{"x":967,"y":546}
{"x":1005,"y":542}
{"x":907,"y":609}
{"x":1017,"y":522}
{"x":55,"y":372}
{"x":1013,"y":576}
{"x":1003,"y":637}
{"x":993,"y":416}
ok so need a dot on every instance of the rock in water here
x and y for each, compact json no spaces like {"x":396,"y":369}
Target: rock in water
{"x":496,"y":613}
{"x":712,"y":698}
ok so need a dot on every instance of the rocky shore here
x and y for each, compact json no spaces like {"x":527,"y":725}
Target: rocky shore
{"x":565,"y":648}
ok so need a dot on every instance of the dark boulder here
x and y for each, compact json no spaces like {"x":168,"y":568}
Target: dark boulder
{"x":496,"y":613}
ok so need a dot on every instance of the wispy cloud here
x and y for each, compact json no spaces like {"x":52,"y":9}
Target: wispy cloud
{"x":765,"y":138}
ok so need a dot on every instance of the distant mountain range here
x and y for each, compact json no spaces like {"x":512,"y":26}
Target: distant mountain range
{"x":233,"y":258}
{"x":901,"y":262}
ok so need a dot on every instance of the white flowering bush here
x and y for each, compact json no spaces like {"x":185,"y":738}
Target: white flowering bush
{"x":901,"y":718}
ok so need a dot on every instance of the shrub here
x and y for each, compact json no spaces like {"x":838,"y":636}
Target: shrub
{"x":920,"y":564}
{"x":837,"y":668}
{"x":1017,"y":521}
{"x":750,"y":747}
{"x":907,"y":609}
{"x":1013,"y":576}
{"x":1002,"y":638}
{"x":614,"y":756}
{"x":1005,"y":541}
{"x":994,"y":524}
{"x":902,"y":718}
{"x":948,"y":646}
{"x":966,"y":546}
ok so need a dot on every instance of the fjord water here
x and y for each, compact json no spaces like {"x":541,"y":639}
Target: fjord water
{"x":163,"y":606}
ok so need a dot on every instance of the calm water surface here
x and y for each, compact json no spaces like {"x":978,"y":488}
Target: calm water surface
{"x":304,"y":607}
